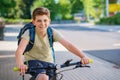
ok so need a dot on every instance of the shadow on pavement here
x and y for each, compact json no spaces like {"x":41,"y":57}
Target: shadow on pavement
{"x":110,"y":55}
{"x":78,"y":28}
{"x":10,"y":38}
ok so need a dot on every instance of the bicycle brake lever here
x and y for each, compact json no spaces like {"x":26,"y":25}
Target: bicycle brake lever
{"x":68,"y":62}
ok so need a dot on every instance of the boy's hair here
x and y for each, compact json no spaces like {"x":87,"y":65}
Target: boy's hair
{"x":41,"y":11}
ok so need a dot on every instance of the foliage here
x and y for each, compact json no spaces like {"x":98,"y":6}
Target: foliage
{"x":17,"y":21}
{"x":60,"y":10}
{"x":77,"y":6}
{"x":50,"y":4}
{"x":88,"y":7}
{"x":7,"y":7}
{"x":36,"y":4}
{"x":112,"y":1}
{"x":24,"y":8}
{"x":53,"y":7}
{"x":114,"y":20}
{"x":63,"y":9}
{"x":93,"y":8}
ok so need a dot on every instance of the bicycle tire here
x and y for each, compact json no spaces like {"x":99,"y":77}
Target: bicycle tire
{"x":53,"y":78}
{"x":32,"y":78}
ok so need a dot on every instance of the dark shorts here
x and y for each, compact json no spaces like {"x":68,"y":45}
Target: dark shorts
{"x":35,"y":65}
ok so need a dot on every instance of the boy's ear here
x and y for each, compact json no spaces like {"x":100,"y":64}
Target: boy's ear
{"x":33,"y":21}
{"x":49,"y":20}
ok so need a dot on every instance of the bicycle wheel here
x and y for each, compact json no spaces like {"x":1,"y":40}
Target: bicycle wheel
{"x":57,"y":77}
{"x":53,"y":78}
{"x":32,"y":78}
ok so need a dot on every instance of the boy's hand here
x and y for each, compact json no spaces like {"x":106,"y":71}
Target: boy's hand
{"x":85,"y":60}
{"x":23,"y":68}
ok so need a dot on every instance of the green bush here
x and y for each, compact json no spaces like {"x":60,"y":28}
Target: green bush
{"x":117,"y":18}
{"x":17,"y":21}
{"x":114,"y":20}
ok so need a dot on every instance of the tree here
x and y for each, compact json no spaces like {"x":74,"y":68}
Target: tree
{"x":25,"y":8}
{"x":6,"y":8}
{"x":88,"y":8}
{"x":93,"y":8}
{"x":112,"y":1}
{"x":65,"y":8}
{"x":77,"y":6}
{"x":53,"y":7}
{"x":100,"y":8}
{"x":50,"y":4}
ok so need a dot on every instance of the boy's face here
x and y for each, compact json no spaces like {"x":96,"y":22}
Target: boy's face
{"x":41,"y":22}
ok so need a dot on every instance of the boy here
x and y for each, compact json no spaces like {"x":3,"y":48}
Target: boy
{"x":41,"y":51}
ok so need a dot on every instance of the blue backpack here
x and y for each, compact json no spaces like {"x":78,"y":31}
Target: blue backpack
{"x":31,"y":29}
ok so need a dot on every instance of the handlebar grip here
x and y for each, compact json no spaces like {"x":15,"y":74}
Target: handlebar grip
{"x":90,"y":60}
{"x":15,"y":69}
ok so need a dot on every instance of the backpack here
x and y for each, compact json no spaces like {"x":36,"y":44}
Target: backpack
{"x":31,"y":29}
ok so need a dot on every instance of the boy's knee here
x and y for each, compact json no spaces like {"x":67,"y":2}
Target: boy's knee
{"x":42,"y":77}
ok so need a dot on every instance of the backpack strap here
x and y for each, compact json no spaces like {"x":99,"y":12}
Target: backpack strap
{"x":50,"y":37}
{"x":32,"y":37}
{"x":22,"y":32}
{"x":31,"y":29}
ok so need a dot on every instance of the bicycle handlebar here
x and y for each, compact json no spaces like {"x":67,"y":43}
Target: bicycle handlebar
{"x":78,"y":64}
{"x":66,"y":64}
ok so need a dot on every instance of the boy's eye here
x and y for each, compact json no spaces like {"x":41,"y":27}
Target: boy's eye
{"x":45,"y":20}
{"x":41,"y":20}
{"x":38,"y":20}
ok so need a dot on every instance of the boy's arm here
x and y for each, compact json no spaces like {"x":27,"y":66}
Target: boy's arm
{"x":72,"y":48}
{"x":19,"y":55}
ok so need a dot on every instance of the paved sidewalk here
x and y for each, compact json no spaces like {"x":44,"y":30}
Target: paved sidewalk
{"x":100,"y":69}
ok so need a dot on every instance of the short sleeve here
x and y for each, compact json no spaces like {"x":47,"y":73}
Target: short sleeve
{"x":26,"y":35}
{"x":56,"y":35}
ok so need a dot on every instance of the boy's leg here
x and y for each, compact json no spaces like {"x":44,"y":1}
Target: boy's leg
{"x":41,"y":74}
{"x":35,"y":72}
{"x":42,"y":77}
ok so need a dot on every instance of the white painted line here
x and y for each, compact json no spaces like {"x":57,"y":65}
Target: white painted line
{"x":116,"y":44}
{"x":8,"y":46}
{"x":14,"y":25}
{"x":6,"y":56}
{"x":11,"y":34}
{"x":118,"y":31}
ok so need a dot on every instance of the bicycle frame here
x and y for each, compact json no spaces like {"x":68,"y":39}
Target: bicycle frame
{"x":66,"y":64}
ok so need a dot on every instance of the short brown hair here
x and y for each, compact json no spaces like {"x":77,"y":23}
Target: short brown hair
{"x":41,"y":11}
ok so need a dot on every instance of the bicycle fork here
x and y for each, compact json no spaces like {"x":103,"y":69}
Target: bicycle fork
{"x":22,"y":77}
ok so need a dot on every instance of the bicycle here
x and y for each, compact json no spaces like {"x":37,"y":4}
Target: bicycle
{"x":58,"y":75}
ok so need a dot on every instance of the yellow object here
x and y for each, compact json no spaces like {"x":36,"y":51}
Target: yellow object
{"x":114,"y":7}
{"x":90,"y":61}
{"x":15,"y":69}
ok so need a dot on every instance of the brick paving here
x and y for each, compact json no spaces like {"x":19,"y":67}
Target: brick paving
{"x":100,"y":69}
